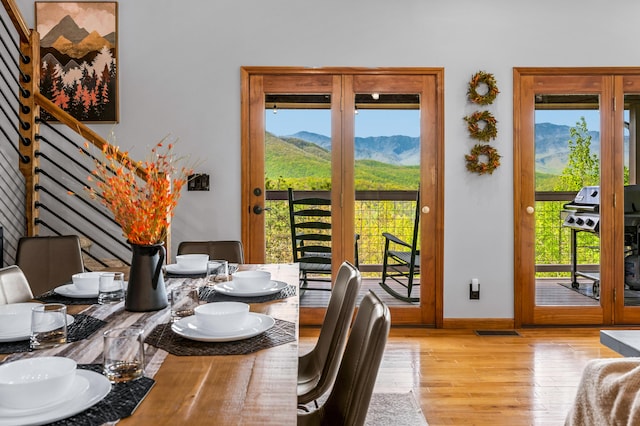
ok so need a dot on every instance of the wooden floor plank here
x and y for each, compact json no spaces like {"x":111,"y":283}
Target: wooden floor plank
{"x":461,"y":378}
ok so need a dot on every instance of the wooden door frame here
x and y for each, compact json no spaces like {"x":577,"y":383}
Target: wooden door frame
{"x":611,"y":159}
{"x":432,"y":259}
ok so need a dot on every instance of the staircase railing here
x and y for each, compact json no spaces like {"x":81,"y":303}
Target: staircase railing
{"x":52,"y":159}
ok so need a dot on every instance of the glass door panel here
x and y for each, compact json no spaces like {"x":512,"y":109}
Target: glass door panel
{"x":387,"y":179}
{"x":631,"y":200}
{"x":298,"y":151}
{"x":567,"y":206}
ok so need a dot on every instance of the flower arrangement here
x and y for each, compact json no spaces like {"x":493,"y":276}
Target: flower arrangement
{"x":142,"y":207}
{"x":476,"y":166}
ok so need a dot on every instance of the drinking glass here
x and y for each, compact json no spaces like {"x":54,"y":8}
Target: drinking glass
{"x":123,"y":356}
{"x":111,"y":288}
{"x":184,"y":300}
{"x":48,"y":326}
{"x":217,"y":272}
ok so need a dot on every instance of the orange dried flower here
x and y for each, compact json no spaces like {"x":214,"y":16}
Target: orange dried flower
{"x":143,"y":208}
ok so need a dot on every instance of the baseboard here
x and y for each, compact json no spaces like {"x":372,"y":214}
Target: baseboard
{"x":478,"y":323}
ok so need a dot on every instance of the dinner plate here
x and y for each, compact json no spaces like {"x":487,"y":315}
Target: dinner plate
{"x":70,"y":290}
{"x":176,"y":269}
{"x":189,"y":328}
{"x":98,"y":387}
{"x":228,"y":289}
{"x":22,"y":330}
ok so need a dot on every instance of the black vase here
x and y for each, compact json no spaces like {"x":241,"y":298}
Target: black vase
{"x":146,"y":289}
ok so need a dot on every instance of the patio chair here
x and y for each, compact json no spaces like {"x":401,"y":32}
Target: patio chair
{"x":231,"y":251}
{"x":49,"y":262}
{"x":14,"y":287}
{"x":317,"y":368}
{"x":401,"y":262}
{"x":348,"y":403}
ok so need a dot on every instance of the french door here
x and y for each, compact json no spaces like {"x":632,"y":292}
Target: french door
{"x":335,"y":104}
{"x":575,"y":141}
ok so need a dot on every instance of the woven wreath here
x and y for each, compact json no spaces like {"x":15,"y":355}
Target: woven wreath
{"x":487,"y":131}
{"x":476,"y":166}
{"x":482,"y":78}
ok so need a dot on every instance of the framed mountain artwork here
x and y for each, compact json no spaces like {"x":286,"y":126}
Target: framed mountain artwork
{"x":79,"y":58}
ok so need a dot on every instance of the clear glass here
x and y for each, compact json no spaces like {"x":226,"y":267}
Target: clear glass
{"x":217,"y":272}
{"x":631,"y":201}
{"x":567,"y":159}
{"x":184,"y":300}
{"x":48,"y":326}
{"x":111,"y":288}
{"x":123,"y":356}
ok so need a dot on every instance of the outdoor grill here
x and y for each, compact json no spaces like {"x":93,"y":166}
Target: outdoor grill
{"x":583,"y":215}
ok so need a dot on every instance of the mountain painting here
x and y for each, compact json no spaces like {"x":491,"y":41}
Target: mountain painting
{"x":78,"y":58}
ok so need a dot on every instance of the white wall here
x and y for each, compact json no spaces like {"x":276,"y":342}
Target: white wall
{"x":179,"y":64}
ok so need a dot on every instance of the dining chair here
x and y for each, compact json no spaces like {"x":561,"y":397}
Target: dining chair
{"x":317,"y":369}
{"x":230,"y":250}
{"x":401,"y":261}
{"x":14,"y":287}
{"x":348,"y":401}
{"x":50,"y":261}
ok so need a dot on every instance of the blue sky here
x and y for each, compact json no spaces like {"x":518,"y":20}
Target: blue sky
{"x":394,"y":122}
{"x":368,"y":122}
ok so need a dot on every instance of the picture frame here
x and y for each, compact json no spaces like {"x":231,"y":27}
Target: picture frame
{"x":79,"y":58}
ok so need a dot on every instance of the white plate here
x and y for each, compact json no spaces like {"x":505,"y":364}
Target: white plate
{"x":256,"y":324}
{"x":228,"y":289}
{"x":70,"y":290}
{"x":174,"y":268}
{"x":98,"y":388}
{"x":22,"y":330}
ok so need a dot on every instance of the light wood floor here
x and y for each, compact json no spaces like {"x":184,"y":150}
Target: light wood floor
{"x":461,"y":378}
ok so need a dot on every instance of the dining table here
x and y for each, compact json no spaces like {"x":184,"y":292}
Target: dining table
{"x":198,"y":382}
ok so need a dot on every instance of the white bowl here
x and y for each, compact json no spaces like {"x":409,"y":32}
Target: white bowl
{"x":35,"y":382}
{"x":222,"y":317}
{"x":86,"y":281}
{"x":251,"y":280}
{"x":193,"y":261}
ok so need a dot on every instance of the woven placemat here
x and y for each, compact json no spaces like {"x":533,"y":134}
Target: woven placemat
{"x":164,"y":338}
{"x":83,"y":326}
{"x":53,"y":297}
{"x":209,"y":295}
{"x":121,"y":402}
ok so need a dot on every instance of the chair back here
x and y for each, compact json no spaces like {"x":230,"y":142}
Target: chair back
{"x":231,"y":251}
{"x":310,"y":221}
{"x":317,"y":369}
{"x":14,"y":287}
{"x":416,"y":228}
{"x":50,"y":261}
{"x":349,"y":400}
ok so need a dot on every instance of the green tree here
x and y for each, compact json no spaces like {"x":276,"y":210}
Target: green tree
{"x":583,"y":167}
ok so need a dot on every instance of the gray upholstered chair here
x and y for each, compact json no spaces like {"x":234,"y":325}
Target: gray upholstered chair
{"x":348,"y":401}
{"x":49,"y":262}
{"x":231,"y":251}
{"x":317,"y":369}
{"x":14,"y":287}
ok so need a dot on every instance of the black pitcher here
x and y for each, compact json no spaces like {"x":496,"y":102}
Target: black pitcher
{"x":146,"y":289}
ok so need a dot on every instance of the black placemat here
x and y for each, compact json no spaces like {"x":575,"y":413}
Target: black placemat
{"x":121,"y":402}
{"x":209,"y":295}
{"x":83,"y":326}
{"x":164,"y":338}
{"x":53,"y":297}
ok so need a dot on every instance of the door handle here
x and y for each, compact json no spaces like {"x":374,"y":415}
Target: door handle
{"x":258,"y":210}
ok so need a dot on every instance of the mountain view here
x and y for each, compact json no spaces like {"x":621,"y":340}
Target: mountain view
{"x":393,"y":160}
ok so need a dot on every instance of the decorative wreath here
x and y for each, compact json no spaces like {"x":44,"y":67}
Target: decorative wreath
{"x":482,"y":78}
{"x":488,"y":131}
{"x":473,"y":159}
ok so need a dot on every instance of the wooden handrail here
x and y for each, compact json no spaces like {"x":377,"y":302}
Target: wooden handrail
{"x":18,"y":21}
{"x":82,"y":130}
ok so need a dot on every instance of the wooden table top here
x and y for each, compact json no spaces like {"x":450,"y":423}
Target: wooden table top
{"x":258,"y":388}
